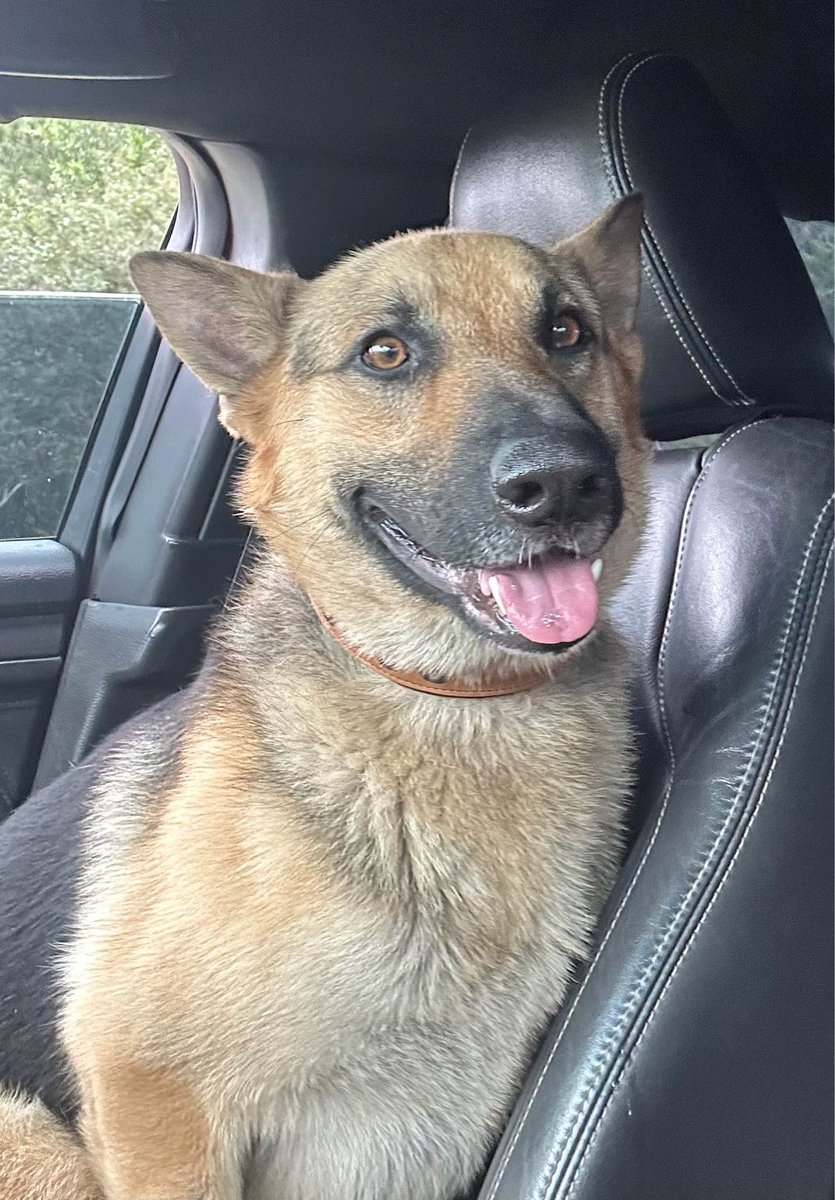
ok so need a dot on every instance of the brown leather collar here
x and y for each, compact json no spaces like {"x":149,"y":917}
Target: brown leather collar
{"x":416,"y":682}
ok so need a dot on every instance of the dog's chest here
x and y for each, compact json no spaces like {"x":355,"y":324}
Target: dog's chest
{"x":413,"y":900}
{"x":417,"y":1026}
{"x":471,"y":878}
{"x":477,"y":841}
{"x":387,"y":915}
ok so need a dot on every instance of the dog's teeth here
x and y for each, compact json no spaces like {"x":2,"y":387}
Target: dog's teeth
{"x":596,"y":568}
{"x":497,"y":595}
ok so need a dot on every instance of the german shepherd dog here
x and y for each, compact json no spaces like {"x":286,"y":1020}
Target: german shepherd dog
{"x":329,"y":898}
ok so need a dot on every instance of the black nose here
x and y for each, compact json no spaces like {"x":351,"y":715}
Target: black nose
{"x":565,"y":479}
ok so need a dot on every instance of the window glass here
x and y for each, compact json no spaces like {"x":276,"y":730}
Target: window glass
{"x":77,"y":199}
{"x":816,"y":243}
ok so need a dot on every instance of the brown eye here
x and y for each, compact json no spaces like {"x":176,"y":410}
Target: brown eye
{"x":566,"y":332}
{"x":385,"y":352}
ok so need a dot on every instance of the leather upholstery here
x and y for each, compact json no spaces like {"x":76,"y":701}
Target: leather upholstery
{"x":693,"y":1059}
{"x":731,"y":320}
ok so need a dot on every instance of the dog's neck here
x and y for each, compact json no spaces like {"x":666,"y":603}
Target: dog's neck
{"x":416,"y":682}
{"x":402,"y":786}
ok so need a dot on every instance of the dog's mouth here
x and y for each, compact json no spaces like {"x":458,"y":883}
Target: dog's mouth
{"x":548,"y":603}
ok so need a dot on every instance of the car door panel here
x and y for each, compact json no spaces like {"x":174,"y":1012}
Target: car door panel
{"x":43,"y":581}
{"x":38,"y":588}
{"x":166,"y":543}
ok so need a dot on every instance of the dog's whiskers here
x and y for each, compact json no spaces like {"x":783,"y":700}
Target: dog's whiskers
{"x":293,"y":525}
{"x":313,"y":545}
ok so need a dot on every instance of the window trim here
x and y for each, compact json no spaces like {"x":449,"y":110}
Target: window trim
{"x":120,"y":402}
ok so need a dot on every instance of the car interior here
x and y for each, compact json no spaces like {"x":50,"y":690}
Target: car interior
{"x":693,"y":1056}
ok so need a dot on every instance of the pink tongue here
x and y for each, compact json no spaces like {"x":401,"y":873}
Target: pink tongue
{"x":551,"y":602}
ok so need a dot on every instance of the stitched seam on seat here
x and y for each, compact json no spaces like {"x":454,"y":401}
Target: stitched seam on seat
{"x":657,"y":825}
{"x":668,"y":937}
{"x":628,"y":1007}
{"x":677,"y":287}
{"x":617,"y":193}
{"x":598,"y":1126}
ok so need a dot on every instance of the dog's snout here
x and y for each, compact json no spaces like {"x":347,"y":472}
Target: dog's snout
{"x":562,"y":480}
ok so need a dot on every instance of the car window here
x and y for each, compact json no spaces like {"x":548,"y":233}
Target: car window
{"x":816,"y":242}
{"x":77,"y":198}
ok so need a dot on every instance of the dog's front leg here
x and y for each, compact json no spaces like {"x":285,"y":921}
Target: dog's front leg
{"x":151,"y":1139}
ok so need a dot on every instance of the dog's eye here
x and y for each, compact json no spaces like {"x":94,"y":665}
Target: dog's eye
{"x":566,"y":332}
{"x":385,"y":352}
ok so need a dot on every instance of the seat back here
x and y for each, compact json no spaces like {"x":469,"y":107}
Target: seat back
{"x":693,"y":1058}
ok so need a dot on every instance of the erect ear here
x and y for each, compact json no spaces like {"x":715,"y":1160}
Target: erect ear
{"x":224,"y":322}
{"x":610,"y":249}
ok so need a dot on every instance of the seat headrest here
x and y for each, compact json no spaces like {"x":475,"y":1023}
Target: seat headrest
{"x":730,"y":319}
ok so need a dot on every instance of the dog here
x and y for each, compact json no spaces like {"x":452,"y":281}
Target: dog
{"x":330,"y":895}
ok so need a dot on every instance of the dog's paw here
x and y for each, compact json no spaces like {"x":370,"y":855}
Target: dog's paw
{"x":40,"y":1159}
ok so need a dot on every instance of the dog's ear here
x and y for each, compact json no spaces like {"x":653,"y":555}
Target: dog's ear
{"x":610,"y":249}
{"x":224,"y":322}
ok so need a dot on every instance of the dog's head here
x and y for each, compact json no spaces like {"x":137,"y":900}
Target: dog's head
{"x":444,"y":431}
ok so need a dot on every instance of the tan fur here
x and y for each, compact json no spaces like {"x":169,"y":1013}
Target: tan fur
{"x":320,"y":935}
{"x":147,"y":1134}
{"x":482,"y":330}
{"x":39,"y":1158}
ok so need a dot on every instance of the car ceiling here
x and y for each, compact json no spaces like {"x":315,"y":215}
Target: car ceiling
{"x":401,"y":82}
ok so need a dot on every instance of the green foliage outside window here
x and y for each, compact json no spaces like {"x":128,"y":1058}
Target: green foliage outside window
{"x":77,"y":199}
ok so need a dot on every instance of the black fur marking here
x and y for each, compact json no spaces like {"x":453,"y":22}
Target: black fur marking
{"x":39,"y":856}
{"x":40,"y":847}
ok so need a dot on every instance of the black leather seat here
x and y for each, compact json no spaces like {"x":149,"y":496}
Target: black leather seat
{"x":694,"y":1059}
